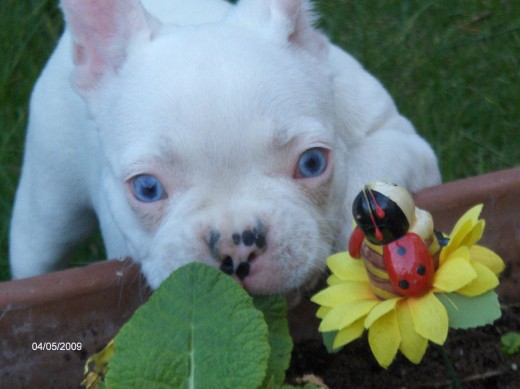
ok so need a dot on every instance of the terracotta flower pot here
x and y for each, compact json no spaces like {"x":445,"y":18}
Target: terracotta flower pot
{"x":87,"y":306}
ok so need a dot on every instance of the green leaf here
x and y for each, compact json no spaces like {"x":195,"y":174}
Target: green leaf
{"x":468,"y":312}
{"x":510,"y":343}
{"x":274,"y":309}
{"x":328,"y":341}
{"x":198,"y":330}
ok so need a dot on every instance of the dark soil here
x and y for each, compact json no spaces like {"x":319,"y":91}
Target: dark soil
{"x":475,"y":355}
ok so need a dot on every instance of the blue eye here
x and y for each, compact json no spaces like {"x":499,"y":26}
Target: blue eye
{"x":147,"y":188}
{"x":312,"y":163}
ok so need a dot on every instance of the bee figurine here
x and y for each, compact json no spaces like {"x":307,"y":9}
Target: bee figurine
{"x":396,"y":240}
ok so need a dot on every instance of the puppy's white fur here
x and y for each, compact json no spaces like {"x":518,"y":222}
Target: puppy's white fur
{"x":219,"y":103}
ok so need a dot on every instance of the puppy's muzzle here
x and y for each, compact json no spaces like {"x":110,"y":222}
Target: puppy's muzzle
{"x":237,"y":250}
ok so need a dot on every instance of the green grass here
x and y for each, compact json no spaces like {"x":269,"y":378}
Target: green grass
{"x":452,"y":67}
{"x":27,"y":34}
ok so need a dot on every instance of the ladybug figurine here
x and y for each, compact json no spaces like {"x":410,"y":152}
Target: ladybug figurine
{"x":395,"y":239}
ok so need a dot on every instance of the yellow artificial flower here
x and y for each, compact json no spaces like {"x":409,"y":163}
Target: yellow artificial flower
{"x":349,"y":306}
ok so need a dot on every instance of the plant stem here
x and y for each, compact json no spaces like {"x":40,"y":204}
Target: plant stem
{"x":448,"y":364}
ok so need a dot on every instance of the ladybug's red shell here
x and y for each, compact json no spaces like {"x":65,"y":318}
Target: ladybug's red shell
{"x":409,"y":265}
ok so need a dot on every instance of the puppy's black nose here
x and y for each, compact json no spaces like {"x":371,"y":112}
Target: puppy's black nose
{"x":255,"y":237}
{"x":236,"y":251}
{"x":227,"y":265}
{"x":243,"y":270}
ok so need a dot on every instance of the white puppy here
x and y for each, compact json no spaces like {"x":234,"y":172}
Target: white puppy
{"x":203,"y":131}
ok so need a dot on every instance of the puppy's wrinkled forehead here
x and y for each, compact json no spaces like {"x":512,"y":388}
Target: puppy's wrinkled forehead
{"x":217,"y":82}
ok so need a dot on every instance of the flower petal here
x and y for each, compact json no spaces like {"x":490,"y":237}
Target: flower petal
{"x":413,"y":346}
{"x":333,"y":280}
{"x":461,"y":230}
{"x":470,"y":216}
{"x":345,"y":314}
{"x":384,"y":338}
{"x":487,"y":258}
{"x":485,"y":280}
{"x":453,"y":252}
{"x":346,"y":268}
{"x":341,"y":293}
{"x":454,"y":274}
{"x":430,"y":318}
{"x":475,"y":234}
{"x":322,"y":312}
{"x":454,"y":242}
{"x":348,"y":334}
{"x":460,"y":252}
{"x":379,"y":310}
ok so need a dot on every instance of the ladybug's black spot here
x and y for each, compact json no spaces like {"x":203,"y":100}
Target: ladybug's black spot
{"x":403,"y":284}
{"x":421,"y":270}
{"x":401,"y":251}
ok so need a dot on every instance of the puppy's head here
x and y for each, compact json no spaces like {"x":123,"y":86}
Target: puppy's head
{"x":218,"y":138}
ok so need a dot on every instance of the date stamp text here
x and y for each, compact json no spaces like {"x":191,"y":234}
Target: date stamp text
{"x":57,"y":346}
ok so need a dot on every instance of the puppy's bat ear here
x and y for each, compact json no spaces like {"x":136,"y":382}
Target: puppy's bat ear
{"x":102,"y":31}
{"x":289,"y":22}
